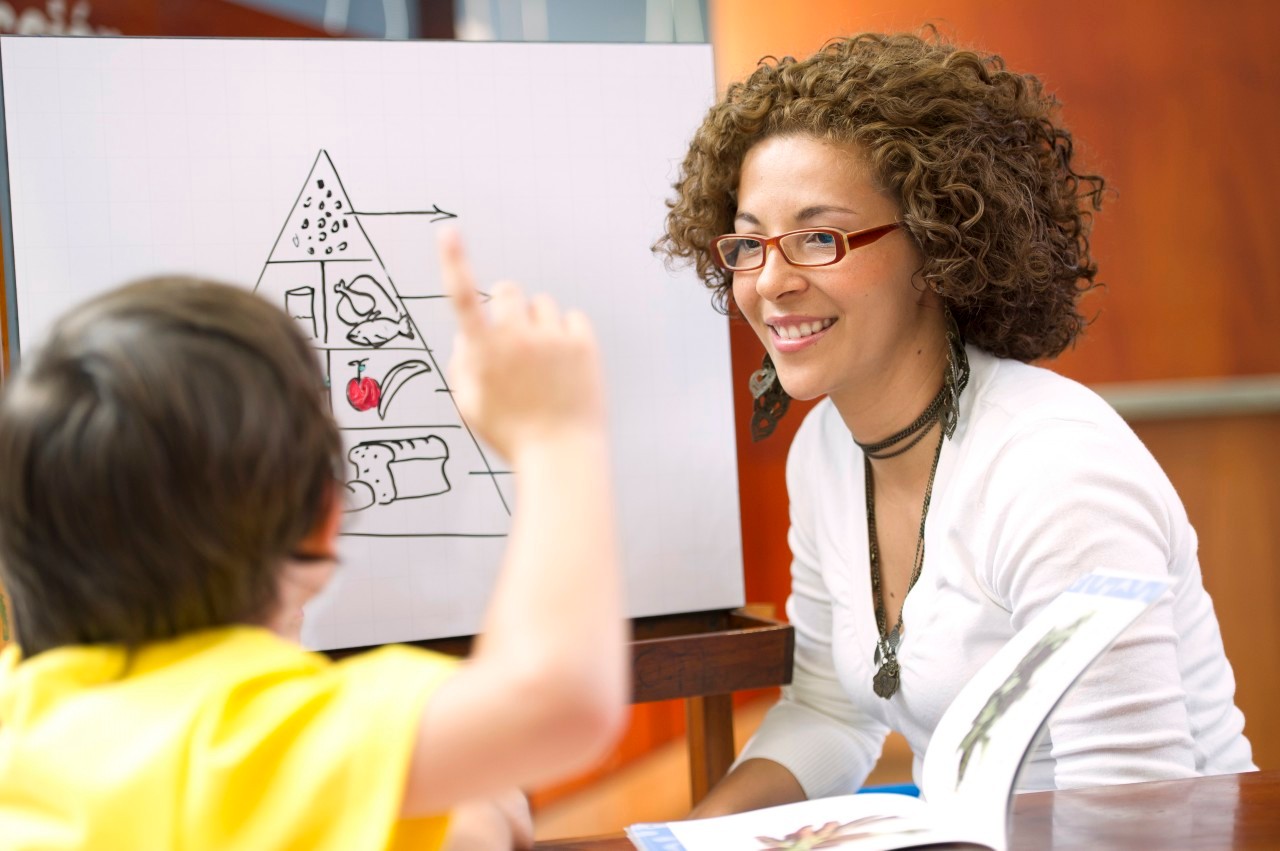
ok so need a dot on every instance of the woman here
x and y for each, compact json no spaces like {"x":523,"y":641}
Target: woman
{"x":901,"y":223}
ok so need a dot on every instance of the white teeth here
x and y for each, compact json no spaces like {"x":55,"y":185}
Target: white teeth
{"x":803,"y":329}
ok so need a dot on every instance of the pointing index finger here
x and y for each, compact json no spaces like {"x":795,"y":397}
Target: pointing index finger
{"x":459,"y":284}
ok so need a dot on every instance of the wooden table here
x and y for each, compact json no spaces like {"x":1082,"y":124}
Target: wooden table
{"x":1235,"y":811}
{"x":702,"y":657}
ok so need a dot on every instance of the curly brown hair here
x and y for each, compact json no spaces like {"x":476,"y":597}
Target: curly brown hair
{"x":974,"y":154}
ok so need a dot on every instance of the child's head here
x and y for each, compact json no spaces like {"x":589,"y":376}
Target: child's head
{"x":162,"y":454}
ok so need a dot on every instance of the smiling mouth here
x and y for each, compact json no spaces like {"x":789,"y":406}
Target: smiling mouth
{"x":800,"y":330}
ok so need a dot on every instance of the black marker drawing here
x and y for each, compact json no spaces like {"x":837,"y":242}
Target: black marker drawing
{"x":379,"y":330}
{"x":363,"y":298}
{"x":364,"y":392}
{"x":388,"y":470}
{"x":396,"y":378}
{"x":299,"y":303}
{"x":326,"y":273}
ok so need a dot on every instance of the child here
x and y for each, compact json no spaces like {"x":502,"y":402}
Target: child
{"x":168,"y":503}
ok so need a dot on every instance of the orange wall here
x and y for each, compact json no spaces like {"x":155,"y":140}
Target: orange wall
{"x":1180,"y":111}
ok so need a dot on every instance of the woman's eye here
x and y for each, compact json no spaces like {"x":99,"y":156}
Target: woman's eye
{"x":820,"y":239}
{"x":749,"y":246}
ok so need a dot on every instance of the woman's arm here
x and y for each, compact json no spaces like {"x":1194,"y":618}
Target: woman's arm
{"x":751,"y":785}
{"x":1064,"y":498}
{"x":814,"y":742}
{"x":545,"y":692}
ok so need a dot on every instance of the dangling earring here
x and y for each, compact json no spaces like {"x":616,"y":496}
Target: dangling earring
{"x":957,"y":374}
{"x":770,"y":400}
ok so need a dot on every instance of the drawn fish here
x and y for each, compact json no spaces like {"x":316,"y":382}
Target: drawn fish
{"x":377,"y":330}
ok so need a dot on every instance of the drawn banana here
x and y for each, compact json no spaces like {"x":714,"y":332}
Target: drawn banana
{"x":397,"y":377}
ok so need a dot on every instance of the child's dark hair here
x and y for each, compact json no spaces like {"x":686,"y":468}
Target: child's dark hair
{"x":161,"y":454}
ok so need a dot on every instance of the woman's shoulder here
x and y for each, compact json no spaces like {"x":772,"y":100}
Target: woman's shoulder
{"x":1027,"y":411}
{"x":1019,"y":396}
{"x":1031,"y":430}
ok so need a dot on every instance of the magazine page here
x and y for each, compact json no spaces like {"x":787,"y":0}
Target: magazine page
{"x":864,"y":822}
{"x":980,"y":742}
{"x":974,"y":754}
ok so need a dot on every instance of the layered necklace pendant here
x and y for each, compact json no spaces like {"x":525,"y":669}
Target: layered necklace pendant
{"x":887,"y":677}
{"x":945,"y":411}
{"x":885,"y":681}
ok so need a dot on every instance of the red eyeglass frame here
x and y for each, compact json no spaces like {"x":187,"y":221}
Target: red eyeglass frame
{"x":845,"y":243}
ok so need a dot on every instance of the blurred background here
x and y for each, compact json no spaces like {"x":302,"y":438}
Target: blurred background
{"x":1178,"y":106}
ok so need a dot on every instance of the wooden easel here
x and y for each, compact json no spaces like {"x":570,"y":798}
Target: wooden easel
{"x":703,"y":657}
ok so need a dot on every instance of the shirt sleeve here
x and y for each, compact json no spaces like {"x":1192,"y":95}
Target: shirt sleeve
{"x":317,"y":760}
{"x":1066,"y":498}
{"x":814,"y":731}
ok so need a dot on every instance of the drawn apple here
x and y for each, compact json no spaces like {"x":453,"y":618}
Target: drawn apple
{"x":362,"y":392}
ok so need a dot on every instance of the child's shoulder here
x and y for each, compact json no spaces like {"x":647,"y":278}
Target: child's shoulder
{"x":249,"y":658}
{"x":182,"y":669}
{"x":170,"y":735}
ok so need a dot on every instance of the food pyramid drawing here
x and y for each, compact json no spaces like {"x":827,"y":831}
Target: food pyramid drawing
{"x":414,"y":467}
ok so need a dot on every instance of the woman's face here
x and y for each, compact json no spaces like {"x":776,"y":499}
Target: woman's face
{"x":846,"y":329}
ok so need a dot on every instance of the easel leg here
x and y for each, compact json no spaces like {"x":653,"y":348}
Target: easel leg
{"x":710,"y":741}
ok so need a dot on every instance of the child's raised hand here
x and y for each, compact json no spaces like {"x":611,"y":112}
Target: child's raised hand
{"x":524,"y":373}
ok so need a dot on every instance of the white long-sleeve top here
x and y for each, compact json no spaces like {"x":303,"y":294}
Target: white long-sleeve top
{"x":1041,"y":482}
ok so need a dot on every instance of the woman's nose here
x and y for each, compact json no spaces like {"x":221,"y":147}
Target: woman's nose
{"x":777,"y":277}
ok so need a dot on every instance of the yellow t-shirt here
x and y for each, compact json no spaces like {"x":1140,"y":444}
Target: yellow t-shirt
{"x":226,"y":738}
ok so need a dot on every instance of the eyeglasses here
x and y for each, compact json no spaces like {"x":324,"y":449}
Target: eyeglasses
{"x":809,"y":247}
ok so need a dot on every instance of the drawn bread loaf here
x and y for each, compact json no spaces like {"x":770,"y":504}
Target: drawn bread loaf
{"x":401,"y":469}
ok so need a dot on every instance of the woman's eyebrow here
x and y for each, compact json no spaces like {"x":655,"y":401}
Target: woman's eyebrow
{"x":810,"y":212}
{"x":821,"y":209}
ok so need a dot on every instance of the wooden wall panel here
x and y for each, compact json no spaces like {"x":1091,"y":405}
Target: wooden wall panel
{"x":1227,"y":471}
{"x":1177,"y":108}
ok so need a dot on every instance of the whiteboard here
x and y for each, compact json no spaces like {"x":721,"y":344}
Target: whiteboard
{"x":316,"y":173}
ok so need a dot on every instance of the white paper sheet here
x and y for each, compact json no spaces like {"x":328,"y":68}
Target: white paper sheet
{"x":133,"y":157}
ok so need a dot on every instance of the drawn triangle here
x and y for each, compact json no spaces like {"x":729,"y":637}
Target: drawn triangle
{"x":352,"y":303}
{"x":321,"y":225}
{"x":416,"y":469}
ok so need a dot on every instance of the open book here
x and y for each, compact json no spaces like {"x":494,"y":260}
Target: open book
{"x":974,"y":755}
